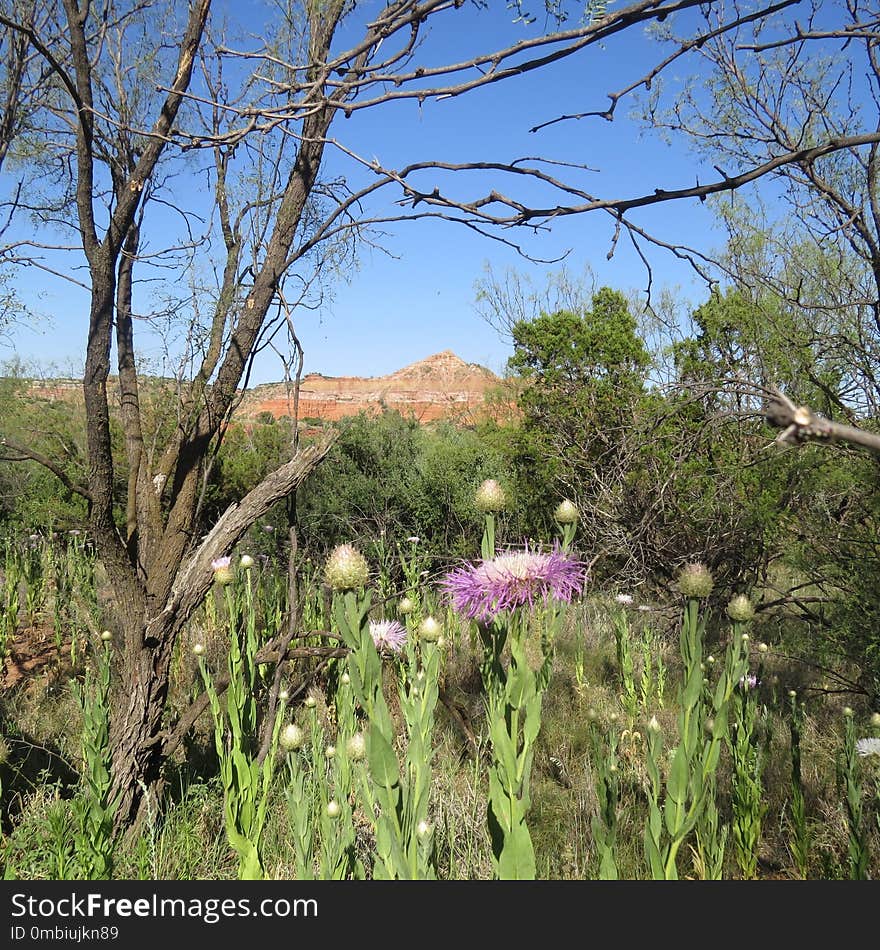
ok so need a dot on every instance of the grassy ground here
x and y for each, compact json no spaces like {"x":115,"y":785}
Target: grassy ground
{"x":41,"y":725}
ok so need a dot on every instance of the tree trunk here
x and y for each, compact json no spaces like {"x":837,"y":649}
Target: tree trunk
{"x":135,"y":731}
{"x":138,"y":724}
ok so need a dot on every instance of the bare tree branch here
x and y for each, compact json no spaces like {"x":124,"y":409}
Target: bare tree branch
{"x":801,"y":424}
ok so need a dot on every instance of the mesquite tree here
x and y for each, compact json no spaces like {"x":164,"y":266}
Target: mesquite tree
{"x":117,"y":114}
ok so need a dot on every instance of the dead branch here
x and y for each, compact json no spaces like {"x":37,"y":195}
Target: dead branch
{"x":800,"y":424}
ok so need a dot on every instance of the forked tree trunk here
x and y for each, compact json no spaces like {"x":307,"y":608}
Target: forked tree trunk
{"x":138,"y":722}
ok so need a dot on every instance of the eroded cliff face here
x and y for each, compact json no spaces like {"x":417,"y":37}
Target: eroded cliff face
{"x":441,"y":386}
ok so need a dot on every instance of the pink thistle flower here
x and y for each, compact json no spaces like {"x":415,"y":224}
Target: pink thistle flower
{"x":388,"y":635}
{"x":222,"y":571}
{"x":481,"y":591}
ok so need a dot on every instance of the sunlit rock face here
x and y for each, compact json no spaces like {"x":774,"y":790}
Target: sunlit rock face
{"x":441,"y":386}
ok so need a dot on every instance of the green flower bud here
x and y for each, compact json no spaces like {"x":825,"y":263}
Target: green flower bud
{"x":106,"y":636}
{"x":566,"y":513}
{"x":291,"y":737}
{"x":199,"y":649}
{"x":246,"y":561}
{"x":695,"y":581}
{"x":654,"y":724}
{"x":490,"y":496}
{"x":356,"y":747}
{"x":875,"y":720}
{"x":330,"y":751}
{"x":222,"y":571}
{"x":740,"y":609}
{"x":333,"y":809}
{"x":847,"y":711}
{"x":310,"y":702}
{"x":346,"y":568}
{"x":430,"y":630}
{"x":405,"y":607}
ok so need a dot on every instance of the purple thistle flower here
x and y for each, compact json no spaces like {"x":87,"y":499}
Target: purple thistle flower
{"x":481,"y":591}
{"x":388,"y":635}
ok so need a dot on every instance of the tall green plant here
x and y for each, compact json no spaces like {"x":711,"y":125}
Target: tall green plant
{"x":799,"y":832}
{"x":502,"y":594}
{"x":397,"y":798}
{"x":748,"y":800}
{"x":607,"y":785}
{"x":676,"y":801}
{"x":245,"y":776}
{"x":94,"y":806}
{"x":851,"y":779}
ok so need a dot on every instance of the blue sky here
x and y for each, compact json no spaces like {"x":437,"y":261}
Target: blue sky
{"x":419,"y":298}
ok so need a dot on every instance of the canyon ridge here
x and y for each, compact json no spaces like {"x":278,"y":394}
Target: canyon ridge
{"x":442,"y":386}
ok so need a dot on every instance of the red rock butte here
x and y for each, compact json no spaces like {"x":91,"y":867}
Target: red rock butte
{"x":442,"y":386}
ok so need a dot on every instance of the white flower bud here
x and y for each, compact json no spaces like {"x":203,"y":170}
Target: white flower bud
{"x":740,"y":609}
{"x":346,"y":568}
{"x":430,"y":629}
{"x":356,"y":747}
{"x":566,"y":512}
{"x":291,"y":737}
{"x":490,"y":496}
{"x":695,"y":581}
